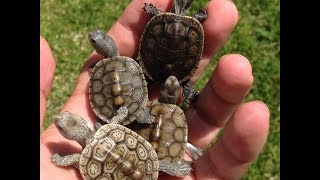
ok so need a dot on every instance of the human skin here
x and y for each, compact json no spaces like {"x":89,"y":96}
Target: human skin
{"x":220,"y":104}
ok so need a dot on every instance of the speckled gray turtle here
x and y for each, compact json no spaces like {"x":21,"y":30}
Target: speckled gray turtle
{"x":172,"y":44}
{"x":112,"y":152}
{"x":116,"y":81}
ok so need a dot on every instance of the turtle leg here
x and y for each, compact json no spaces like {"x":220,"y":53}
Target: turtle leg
{"x":170,"y":91}
{"x":193,"y":151}
{"x":151,"y":9}
{"x":122,"y":114}
{"x":145,"y":116}
{"x":68,"y":160}
{"x":190,"y":95}
{"x":179,"y":169}
{"x":201,"y":15}
{"x":91,"y":67}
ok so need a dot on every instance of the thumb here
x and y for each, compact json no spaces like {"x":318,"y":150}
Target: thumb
{"x":47,"y":68}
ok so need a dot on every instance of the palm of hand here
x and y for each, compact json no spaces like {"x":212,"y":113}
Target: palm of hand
{"x":219,"y":103}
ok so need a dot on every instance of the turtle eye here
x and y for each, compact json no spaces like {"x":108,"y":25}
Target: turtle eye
{"x":59,"y":127}
{"x":93,"y":41}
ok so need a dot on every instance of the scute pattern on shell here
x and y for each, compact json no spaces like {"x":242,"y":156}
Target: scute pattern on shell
{"x":174,"y":131}
{"x":171,"y":42}
{"x":97,"y":161}
{"x":115,"y":80}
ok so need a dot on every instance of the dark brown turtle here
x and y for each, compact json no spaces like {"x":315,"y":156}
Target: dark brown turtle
{"x":172,"y":44}
{"x":111,"y":152}
{"x":115,"y":81}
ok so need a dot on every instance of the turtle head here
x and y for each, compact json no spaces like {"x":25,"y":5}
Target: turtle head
{"x":170,"y":90}
{"x":72,"y":127}
{"x":103,"y":43}
{"x":171,"y":85}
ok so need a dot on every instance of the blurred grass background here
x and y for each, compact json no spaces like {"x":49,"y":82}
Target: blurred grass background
{"x":65,"y":24}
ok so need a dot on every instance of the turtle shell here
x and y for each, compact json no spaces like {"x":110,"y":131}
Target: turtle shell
{"x":169,"y":133}
{"x":116,"y":152}
{"x":115,"y":82}
{"x":171,"y":45}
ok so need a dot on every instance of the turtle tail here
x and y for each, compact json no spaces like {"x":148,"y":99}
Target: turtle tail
{"x":180,"y":7}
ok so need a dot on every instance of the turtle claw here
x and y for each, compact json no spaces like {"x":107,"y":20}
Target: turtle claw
{"x":190,"y":95}
{"x":179,"y":169}
{"x":201,"y":15}
{"x":151,"y":9}
{"x":193,"y":152}
{"x":145,"y":117}
{"x":90,"y":68}
{"x":122,"y":114}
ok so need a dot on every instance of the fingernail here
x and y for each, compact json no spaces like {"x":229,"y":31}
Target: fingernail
{"x":262,"y":103}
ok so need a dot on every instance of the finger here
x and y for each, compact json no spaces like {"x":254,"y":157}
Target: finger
{"x":241,"y":142}
{"x":47,"y":68}
{"x":50,"y":137}
{"x":221,"y":21}
{"x":226,"y":89}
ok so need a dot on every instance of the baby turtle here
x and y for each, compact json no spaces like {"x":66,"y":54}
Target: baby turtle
{"x":168,"y":134}
{"x":111,"y":152}
{"x":172,"y":44}
{"x":116,"y":81}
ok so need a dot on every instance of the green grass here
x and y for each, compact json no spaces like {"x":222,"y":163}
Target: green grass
{"x":65,"y":24}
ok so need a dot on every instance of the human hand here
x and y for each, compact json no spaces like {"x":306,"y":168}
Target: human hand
{"x":219,"y":104}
